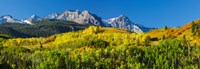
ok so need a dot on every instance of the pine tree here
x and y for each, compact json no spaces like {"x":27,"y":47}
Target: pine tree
{"x":165,"y":27}
{"x":184,"y":38}
{"x":193,"y":27}
{"x":41,"y":45}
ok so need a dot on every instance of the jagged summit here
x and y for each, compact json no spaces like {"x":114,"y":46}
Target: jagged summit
{"x":83,"y":17}
{"x":9,"y":19}
{"x":31,"y":20}
{"x":6,"y":16}
{"x":120,"y":19}
{"x":53,"y":15}
{"x":124,"y":22}
{"x":34,"y":16}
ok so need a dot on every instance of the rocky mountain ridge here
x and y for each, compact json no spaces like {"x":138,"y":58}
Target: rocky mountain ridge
{"x":82,"y":17}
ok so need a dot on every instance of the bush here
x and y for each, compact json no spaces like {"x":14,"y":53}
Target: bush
{"x":154,"y":39}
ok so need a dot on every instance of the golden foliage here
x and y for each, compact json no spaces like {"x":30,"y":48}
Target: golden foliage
{"x":49,"y":39}
{"x":22,"y":42}
{"x":176,"y":33}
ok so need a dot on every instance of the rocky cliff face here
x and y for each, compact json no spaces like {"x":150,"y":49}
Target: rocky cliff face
{"x":80,"y":17}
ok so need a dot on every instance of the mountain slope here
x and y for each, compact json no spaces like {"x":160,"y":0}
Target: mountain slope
{"x":184,"y":32}
{"x":12,"y":32}
{"x":41,"y":28}
{"x":175,"y":32}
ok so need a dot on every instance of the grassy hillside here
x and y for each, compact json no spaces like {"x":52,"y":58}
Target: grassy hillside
{"x":101,"y":48}
{"x":177,"y":33}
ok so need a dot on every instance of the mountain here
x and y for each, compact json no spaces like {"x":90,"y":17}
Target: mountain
{"x":83,"y":17}
{"x":9,"y":19}
{"x":32,"y":19}
{"x":123,"y":22}
{"x":53,"y":16}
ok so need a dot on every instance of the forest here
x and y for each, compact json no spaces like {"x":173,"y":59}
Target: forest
{"x":43,"y":28}
{"x":105,"y":48}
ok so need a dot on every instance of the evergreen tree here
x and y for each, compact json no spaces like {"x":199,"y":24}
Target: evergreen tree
{"x":165,"y":27}
{"x":193,"y":27}
{"x":184,"y":38}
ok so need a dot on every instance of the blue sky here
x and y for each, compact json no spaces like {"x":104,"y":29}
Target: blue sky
{"x":150,"y":13}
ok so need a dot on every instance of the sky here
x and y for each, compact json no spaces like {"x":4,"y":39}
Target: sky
{"x":150,"y":13}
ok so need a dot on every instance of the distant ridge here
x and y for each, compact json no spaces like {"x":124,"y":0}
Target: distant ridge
{"x":81,"y":17}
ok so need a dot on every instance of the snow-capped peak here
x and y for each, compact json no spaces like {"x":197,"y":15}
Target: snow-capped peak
{"x":32,"y":19}
{"x":85,"y":12}
{"x":34,"y":16}
{"x":119,"y":22}
{"x":53,"y":15}
{"x":9,"y":19}
{"x":122,"y":19}
{"x":124,"y":22}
